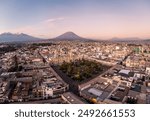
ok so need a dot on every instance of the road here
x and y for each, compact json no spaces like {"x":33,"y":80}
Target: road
{"x":49,"y":101}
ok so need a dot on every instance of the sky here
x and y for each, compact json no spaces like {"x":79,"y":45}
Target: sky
{"x":98,"y":19}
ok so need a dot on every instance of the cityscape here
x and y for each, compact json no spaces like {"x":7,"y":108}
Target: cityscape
{"x":75,"y":72}
{"x":106,"y":62}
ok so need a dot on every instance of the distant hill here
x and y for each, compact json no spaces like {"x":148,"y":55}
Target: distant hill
{"x":125,"y":39}
{"x":147,"y":40}
{"x":9,"y":37}
{"x":69,"y":36}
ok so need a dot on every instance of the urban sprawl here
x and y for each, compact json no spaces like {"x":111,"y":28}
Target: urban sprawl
{"x":75,"y":72}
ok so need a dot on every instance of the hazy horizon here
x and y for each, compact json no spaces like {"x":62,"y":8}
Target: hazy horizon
{"x":97,"y":19}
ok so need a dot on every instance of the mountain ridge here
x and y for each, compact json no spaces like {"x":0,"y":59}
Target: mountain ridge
{"x":18,"y":37}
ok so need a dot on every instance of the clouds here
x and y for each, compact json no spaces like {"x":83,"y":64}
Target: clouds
{"x":53,"y":20}
{"x":44,"y":28}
